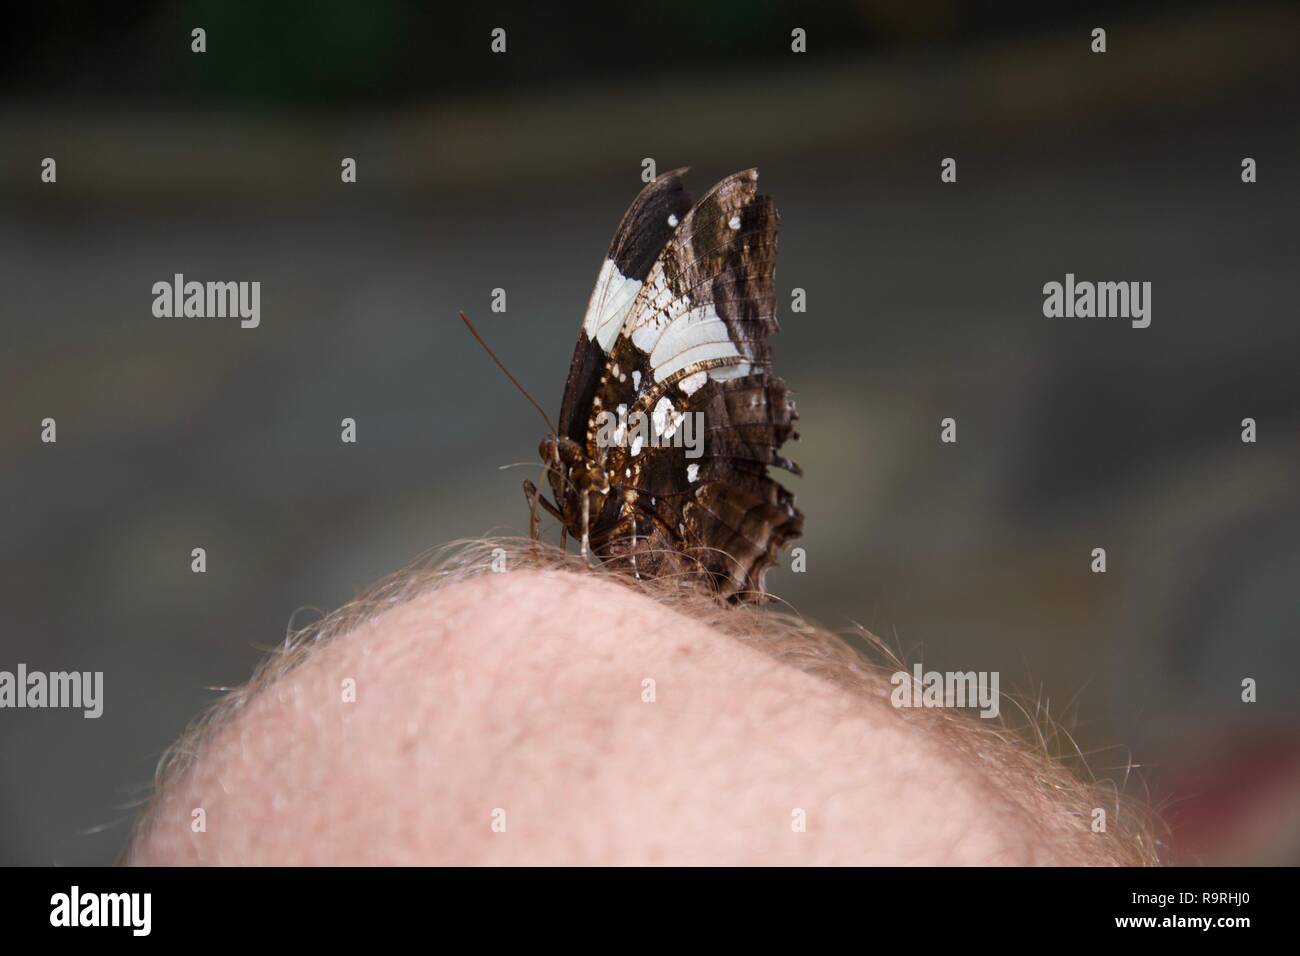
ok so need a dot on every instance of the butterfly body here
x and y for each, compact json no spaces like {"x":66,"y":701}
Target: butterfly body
{"x":671,"y":415}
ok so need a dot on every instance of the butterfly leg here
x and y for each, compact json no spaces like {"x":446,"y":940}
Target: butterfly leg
{"x":534,"y":499}
{"x":531,"y":494}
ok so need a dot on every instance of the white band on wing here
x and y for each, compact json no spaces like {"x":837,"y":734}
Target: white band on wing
{"x":610,"y":302}
{"x":694,"y":336}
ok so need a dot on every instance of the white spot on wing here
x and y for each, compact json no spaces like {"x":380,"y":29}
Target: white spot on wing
{"x":636,"y":379}
{"x":636,"y":445}
{"x":693,"y":383}
{"x":692,"y":472}
{"x":734,"y":222}
{"x":663,"y":408}
{"x":666,"y":418}
{"x":621,"y":431}
{"x":672,"y":219}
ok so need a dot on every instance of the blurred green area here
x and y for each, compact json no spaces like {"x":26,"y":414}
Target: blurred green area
{"x":330,"y":54}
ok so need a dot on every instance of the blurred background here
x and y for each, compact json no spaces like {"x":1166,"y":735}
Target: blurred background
{"x":478,"y":171}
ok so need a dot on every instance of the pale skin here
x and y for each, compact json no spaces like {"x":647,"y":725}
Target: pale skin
{"x":520,"y":699}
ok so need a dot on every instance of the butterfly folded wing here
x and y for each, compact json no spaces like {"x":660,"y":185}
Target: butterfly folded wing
{"x":694,"y":343}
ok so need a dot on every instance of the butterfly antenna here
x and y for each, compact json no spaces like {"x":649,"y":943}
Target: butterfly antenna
{"x":513,"y":381}
{"x":548,"y":466}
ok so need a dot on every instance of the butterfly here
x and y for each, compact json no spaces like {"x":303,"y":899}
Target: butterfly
{"x":671,"y":415}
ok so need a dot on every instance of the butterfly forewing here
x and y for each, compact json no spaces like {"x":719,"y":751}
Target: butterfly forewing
{"x":646,"y":226}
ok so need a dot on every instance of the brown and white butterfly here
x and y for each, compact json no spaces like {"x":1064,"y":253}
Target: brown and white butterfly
{"x":677,"y":327}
